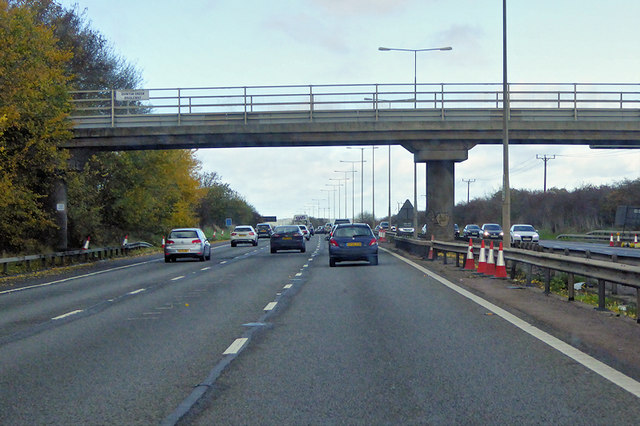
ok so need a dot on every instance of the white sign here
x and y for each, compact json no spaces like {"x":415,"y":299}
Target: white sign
{"x":60,"y":207}
{"x":132,"y":95}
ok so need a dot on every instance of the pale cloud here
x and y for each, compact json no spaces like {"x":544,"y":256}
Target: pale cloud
{"x":362,"y":7}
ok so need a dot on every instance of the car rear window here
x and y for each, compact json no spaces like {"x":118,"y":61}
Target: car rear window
{"x":287,"y":229}
{"x":352,"y":231}
{"x":242,"y":229}
{"x":183,"y":234}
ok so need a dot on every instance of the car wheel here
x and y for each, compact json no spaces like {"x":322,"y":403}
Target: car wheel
{"x":273,"y":250}
{"x":233,"y":243}
{"x":167,"y":259}
{"x":332,"y":262}
{"x":373,"y":260}
{"x":303,"y":249}
{"x":255,"y":243}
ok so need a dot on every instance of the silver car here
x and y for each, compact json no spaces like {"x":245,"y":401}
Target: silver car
{"x":524,"y":233}
{"x":187,"y":242}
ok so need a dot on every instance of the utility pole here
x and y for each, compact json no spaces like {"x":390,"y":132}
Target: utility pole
{"x":545,"y":159}
{"x":468,"y":182}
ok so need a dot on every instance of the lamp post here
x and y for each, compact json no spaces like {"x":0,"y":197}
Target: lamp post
{"x":353,"y":188}
{"x":415,"y":65}
{"x":506,"y":191}
{"x":335,"y":185}
{"x":345,"y":179}
{"x":362,"y":161}
{"x":329,"y":201}
{"x":345,"y":189}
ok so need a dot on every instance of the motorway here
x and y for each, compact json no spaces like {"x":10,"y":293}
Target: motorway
{"x":130,"y":342}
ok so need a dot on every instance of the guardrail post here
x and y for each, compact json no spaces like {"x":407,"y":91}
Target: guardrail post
{"x":513,"y":270}
{"x":571,"y":280}
{"x":113,"y":108}
{"x":547,"y":281}
{"x":245,"y":105}
{"x":179,"y":107}
{"x":638,"y":305}
{"x":310,"y":103}
{"x":529,"y":275}
{"x":575,"y":102}
{"x":601,"y":295}
{"x":444,"y":257}
{"x":442,"y":101}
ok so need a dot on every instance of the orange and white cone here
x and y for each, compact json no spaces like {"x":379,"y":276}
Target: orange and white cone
{"x":125,"y":241}
{"x":430,"y":257}
{"x":86,"y":244}
{"x":501,"y":267}
{"x":635,"y":240}
{"x":491,"y":263}
{"x":482,"y":260}
{"x":618,"y":240}
{"x":611,"y":241}
{"x":214,"y":235}
{"x":163,"y":241}
{"x":470,"y":263}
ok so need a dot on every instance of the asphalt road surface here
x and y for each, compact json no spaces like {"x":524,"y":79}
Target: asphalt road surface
{"x":131,"y":342}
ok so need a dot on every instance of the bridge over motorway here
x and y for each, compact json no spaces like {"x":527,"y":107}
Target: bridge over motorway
{"x":438,"y":123}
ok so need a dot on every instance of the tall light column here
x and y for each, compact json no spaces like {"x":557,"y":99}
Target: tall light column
{"x":353,"y":189}
{"x":337,"y":185}
{"x":345,"y":193}
{"x":506,"y":191}
{"x":415,"y":65}
{"x":362,"y":161}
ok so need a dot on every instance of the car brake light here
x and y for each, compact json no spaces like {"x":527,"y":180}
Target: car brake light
{"x":251,"y":233}
{"x":198,"y":241}
{"x":333,"y":243}
{"x":373,"y":242}
{"x":169,"y":242}
{"x":233,"y":234}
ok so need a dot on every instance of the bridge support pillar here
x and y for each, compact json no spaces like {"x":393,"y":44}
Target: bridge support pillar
{"x":440,"y":176}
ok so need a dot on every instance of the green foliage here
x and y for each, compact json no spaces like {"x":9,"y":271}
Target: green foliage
{"x":34,"y":105}
{"x":219,"y":202}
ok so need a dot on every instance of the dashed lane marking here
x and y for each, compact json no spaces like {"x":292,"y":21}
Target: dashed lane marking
{"x":235,"y":347}
{"x":270,"y":306}
{"x":68,"y":314}
{"x":140,"y":290}
{"x":177,"y":278}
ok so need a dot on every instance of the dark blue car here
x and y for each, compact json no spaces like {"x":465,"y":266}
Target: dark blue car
{"x":353,"y":241}
{"x":287,"y":237}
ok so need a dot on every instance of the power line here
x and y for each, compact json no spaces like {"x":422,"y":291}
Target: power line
{"x":545,"y":159}
{"x":468,"y":182}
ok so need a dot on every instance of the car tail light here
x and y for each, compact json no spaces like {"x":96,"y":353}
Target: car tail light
{"x":373,"y":242}
{"x":169,"y":242}
{"x":251,"y":233}
{"x":198,"y":241}
{"x":233,"y":234}
{"x":275,"y":235}
{"x":333,"y":243}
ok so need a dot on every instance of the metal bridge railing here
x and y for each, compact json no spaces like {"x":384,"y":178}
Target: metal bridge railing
{"x":442,"y":101}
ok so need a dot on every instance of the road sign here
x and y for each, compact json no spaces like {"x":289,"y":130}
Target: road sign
{"x":228,"y":221}
{"x":132,"y":95}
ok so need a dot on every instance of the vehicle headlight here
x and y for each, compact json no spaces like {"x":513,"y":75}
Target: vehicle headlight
{"x":501,"y":234}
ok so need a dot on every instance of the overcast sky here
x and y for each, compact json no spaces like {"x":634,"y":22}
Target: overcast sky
{"x":207,"y":43}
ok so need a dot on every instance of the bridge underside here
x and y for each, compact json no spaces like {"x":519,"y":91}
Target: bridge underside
{"x":414,"y":136}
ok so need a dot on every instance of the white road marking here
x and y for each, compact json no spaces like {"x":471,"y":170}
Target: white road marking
{"x":598,"y":367}
{"x":299,"y":274}
{"x":223,"y":262}
{"x":137,"y":291}
{"x":305,"y":266}
{"x":76,"y":277}
{"x":235,"y":347}
{"x":68,"y":314}
{"x":270,"y":306}
{"x":288,"y":286}
{"x":177,"y":278}
{"x":206,"y":269}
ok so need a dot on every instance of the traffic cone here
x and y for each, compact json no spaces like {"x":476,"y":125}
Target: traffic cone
{"x":491,"y":263}
{"x":125,"y":241}
{"x":86,"y":244}
{"x":618,"y":240}
{"x":611,"y":241}
{"x":635,"y":241}
{"x":163,"y":241}
{"x":430,"y":257}
{"x":501,"y":267}
{"x":482,"y":261}
{"x":214,"y":235}
{"x":470,"y":264}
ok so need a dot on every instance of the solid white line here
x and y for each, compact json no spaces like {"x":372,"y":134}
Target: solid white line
{"x":598,"y":367}
{"x":76,"y":277}
{"x":68,"y":314}
{"x":137,"y":291}
{"x":270,"y":306}
{"x":177,"y":278}
{"x":235,"y":347}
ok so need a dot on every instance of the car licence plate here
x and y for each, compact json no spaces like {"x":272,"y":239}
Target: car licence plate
{"x":183,"y":251}
{"x":354,"y":244}
{"x":287,"y":238}
{"x":242,"y":235}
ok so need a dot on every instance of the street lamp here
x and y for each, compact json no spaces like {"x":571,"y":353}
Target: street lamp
{"x":329,"y":202}
{"x":335,"y":185}
{"x":345,"y":179}
{"x":362,"y":161}
{"x":415,"y":65}
{"x":353,"y":189}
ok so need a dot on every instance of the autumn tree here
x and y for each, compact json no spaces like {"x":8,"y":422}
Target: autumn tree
{"x":34,"y":105}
